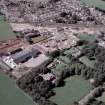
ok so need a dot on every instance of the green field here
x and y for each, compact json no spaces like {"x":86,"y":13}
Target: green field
{"x":65,"y":59}
{"x":59,"y":67}
{"x":89,"y":38}
{"x":10,"y":94}
{"x":74,"y":89}
{"x":98,"y":3}
{"x":5,"y":30}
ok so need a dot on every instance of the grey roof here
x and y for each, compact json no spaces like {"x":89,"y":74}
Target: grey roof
{"x":24,"y":54}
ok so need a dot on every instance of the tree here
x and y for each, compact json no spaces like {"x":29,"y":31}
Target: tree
{"x":36,"y":86}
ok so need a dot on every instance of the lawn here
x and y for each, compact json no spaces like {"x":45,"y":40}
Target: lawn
{"x":67,"y":52}
{"x":10,"y":94}
{"x":64,"y":59}
{"x":74,"y":89}
{"x":98,"y":3}
{"x":5,"y":30}
{"x":60,"y":66}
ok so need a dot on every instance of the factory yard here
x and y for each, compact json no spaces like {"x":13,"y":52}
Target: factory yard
{"x":36,"y":62}
{"x":5,"y":30}
{"x":74,"y":89}
{"x":12,"y":95}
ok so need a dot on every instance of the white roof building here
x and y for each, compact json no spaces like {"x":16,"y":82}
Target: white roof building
{"x":9,"y":61}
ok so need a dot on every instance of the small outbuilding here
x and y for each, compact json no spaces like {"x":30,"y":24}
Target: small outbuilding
{"x":4,"y":66}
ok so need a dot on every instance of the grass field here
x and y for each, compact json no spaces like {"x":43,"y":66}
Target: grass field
{"x":89,"y":38}
{"x":67,"y":52}
{"x":98,"y":3}
{"x":65,"y":59}
{"x":59,"y":67}
{"x":74,"y":89}
{"x":10,"y":94}
{"x":5,"y":30}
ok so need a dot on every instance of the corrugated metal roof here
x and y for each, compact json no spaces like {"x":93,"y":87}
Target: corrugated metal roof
{"x":21,"y":56}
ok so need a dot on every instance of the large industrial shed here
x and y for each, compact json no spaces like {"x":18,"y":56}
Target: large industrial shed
{"x":24,"y":55}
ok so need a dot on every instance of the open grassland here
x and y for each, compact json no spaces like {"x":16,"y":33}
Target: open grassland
{"x":74,"y":89}
{"x":5,"y":30}
{"x":98,"y":3}
{"x":10,"y":94}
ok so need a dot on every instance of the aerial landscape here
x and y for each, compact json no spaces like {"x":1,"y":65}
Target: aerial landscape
{"x":52,"y":52}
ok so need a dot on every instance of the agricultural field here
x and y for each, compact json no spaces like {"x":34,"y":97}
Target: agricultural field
{"x":5,"y":30}
{"x":98,"y":3}
{"x":74,"y":89}
{"x":89,"y":38}
{"x":10,"y":94}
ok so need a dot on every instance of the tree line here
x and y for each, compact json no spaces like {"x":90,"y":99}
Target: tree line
{"x":36,"y":86}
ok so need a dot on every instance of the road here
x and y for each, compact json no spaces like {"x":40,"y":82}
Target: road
{"x":72,"y":25}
